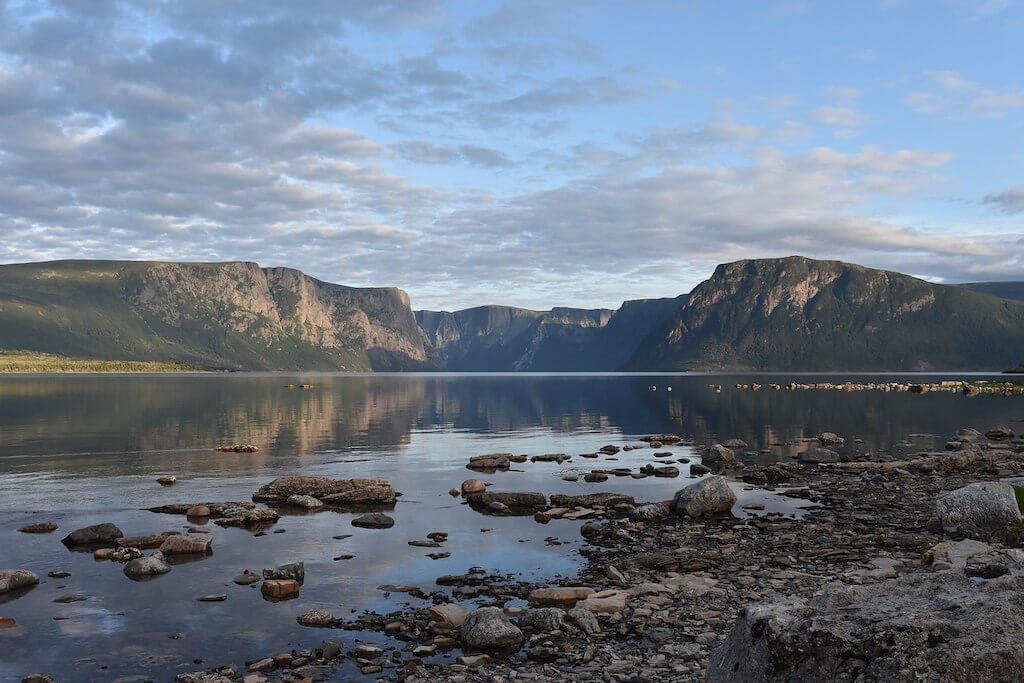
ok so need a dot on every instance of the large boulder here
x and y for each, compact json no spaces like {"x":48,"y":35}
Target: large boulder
{"x":248,"y":518}
{"x":705,"y":496}
{"x":718,"y":457}
{"x":516,"y":502}
{"x":489,"y":629}
{"x":817,"y":456}
{"x":145,"y":566}
{"x":14,"y":579}
{"x":978,"y":510}
{"x":191,"y":544}
{"x":95,"y":535}
{"x":336,"y":492}
{"x":942,"y":626}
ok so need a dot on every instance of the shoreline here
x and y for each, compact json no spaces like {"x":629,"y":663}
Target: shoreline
{"x":671,"y":589}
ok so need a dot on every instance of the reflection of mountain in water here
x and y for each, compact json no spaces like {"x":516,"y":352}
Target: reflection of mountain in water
{"x":138,"y":414}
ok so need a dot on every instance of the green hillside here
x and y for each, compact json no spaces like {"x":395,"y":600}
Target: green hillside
{"x":1006,"y":290}
{"x":798,"y":314}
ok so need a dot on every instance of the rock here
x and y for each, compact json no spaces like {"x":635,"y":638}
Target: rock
{"x":473,"y":486}
{"x":605,"y":602}
{"x":246,"y":578}
{"x":38,"y":528}
{"x":978,"y":510}
{"x":699,"y":470}
{"x":296,"y":571}
{"x":304,"y":502}
{"x":489,"y":462}
{"x":735,"y":444}
{"x":584,"y":620}
{"x":219,"y":597}
{"x":222,"y":509}
{"x":489,"y":629}
{"x":711,"y":495}
{"x":717,"y":457}
{"x":830,"y":439}
{"x":612,"y":572}
{"x":144,"y":542}
{"x":253,"y":518}
{"x":610,"y":449}
{"x":280,"y":589}
{"x":374,"y":520}
{"x":15,"y":579}
{"x":37,"y":678}
{"x":817,"y":456}
{"x":264,"y":664}
{"x":7,"y":622}
{"x":336,"y":492}
{"x":453,"y":492}
{"x":95,"y":535}
{"x":103,"y":553}
{"x":591,"y":499}
{"x":544,"y":619}
{"x":366,"y":651}
{"x":517,"y":502}
{"x":239,"y":448}
{"x":450,"y":613}
{"x":59,"y":574}
{"x":473,"y":660}
{"x":953,"y":554}
{"x":663,"y":471}
{"x":645,"y":513}
{"x":595,"y":477}
{"x":167,"y":480}
{"x":187,"y":545}
{"x":558,"y":596}
{"x":145,"y":566}
{"x":550,"y":457}
{"x":318,"y":618}
{"x":1000,"y":432}
{"x":937,"y":626}
{"x":198,"y":512}
{"x":125,"y":554}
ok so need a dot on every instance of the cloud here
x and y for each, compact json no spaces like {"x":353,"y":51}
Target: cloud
{"x":950,"y":92}
{"x":424,"y":152}
{"x":1011,"y":201}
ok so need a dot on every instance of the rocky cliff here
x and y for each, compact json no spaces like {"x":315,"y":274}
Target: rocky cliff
{"x":503,"y":338}
{"x":223,"y":315}
{"x":799,"y":314}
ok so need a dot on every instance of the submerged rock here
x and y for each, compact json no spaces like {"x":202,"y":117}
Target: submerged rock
{"x":374,"y":520}
{"x":705,"y":496}
{"x":489,"y":629}
{"x":490,"y":462}
{"x":978,"y":510}
{"x":38,"y":528}
{"x":591,"y":499}
{"x":939,"y":626}
{"x":516,"y":502}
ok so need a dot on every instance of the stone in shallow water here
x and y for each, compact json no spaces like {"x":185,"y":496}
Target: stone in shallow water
{"x":709,"y":495}
{"x":280,"y":589}
{"x":15,"y":579}
{"x":97,"y":534}
{"x":38,"y":528}
{"x":489,"y":629}
{"x":145,"y":566}
{"x":374,"y":520}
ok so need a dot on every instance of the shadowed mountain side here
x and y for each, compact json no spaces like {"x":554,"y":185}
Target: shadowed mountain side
{"x":220,"y":315}
{"x":1005,"y":290}
{"x":799,"y":314}
{"x":503,"y":338}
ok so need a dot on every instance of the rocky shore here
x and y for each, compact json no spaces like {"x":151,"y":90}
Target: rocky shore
{"x":898,"y":567}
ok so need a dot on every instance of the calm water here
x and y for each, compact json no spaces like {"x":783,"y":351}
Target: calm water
{"x":80,"y":450}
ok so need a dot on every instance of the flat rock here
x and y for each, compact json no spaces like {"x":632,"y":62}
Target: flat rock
{"x":251,"y":518}
{"x":38,"y":528}
{"x":516,"y":502}
{"x":246,"y":578}
{"x":591,"y":499}
{"x":280,"y":589}
{"x":213,"y":509}
{"x":817,"y":456}
{"x":304,"y":502}
{"x":144,"y":542}
{"x":450,"y":613}
{"x":296,"y":571}
{"x":335,"y":492}
{"x":605,"y":602}
{"x":559,"y":596}
{"x":97,"y":534}
{"x":941,"y":626}
{"x":218,"y":597}
{"x":489,"y":462}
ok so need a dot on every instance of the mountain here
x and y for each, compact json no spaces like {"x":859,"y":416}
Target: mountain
{"x":798,"y":314}
{"x":1005,"y":290}
{"x":504,"y":338}
{"x":220,"y":315}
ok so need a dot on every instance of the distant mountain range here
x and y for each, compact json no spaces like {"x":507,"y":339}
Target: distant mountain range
{"x":768,"y":314}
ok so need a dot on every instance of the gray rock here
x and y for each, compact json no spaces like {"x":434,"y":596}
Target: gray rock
{"x":318,"y":618}
{"x":816,"y":456}
{"x":248,"y":518}
{"x":375,"y":520}
{"x":830,"y":439}
{"x":735,"y":444}
{"x":337,"y":492}
{"x":544,"y":619}
{"x":584,"y":620}
{"x":517,"y":502}
{"x":97,"y":534}
{"x":14,"y":579}
{"x":145,"y":566}
{"x":304,"y":502}
{"x":561,"y":500}
{"x":489,"y":629}
{"x":717,"y":457}
{"x":699,"y":470}
{"x":295,"y":571}
{"x":644,"y":513}
{"x":705,"y":496}
{"x":38,"y":528}
{"x":195,"y":544}
{"x":978,"y":510}
{"x":941,"y":626}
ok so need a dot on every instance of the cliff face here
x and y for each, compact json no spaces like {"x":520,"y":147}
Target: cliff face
{"x":231,"y":315}
{"x":503,"y":338}
{"x":798,"y":314}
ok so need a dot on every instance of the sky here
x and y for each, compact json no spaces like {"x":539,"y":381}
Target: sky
{"x":535,"y":154}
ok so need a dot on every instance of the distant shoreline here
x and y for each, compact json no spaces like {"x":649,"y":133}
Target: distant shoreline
{"x":30,"y":362}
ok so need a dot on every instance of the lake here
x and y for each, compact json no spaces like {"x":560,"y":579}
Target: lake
{"x":80,"y":450}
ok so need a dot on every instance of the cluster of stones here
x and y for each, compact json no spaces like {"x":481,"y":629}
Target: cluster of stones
{"x":949,"y":386}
